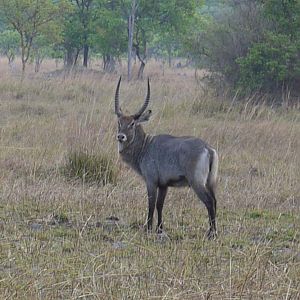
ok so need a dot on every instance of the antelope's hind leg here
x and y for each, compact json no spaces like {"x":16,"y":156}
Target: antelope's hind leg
{"x":213,"y":195}
{"x":210,"y":203}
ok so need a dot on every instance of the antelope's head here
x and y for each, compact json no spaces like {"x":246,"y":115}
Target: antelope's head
{"x":127,"y":125}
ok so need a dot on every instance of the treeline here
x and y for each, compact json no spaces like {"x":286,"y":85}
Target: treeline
{"x":249,"y":44}
{"x":71,"y":29}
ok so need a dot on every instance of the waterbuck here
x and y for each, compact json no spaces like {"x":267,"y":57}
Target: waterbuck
{"x":167,"y":161}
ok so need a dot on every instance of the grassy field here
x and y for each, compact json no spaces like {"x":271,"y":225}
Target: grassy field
{"x":68,"y":238}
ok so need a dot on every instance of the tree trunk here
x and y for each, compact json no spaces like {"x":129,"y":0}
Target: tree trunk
{"x":85,"y":55}
{"x":169,"y":57}
{"x":37,"y":66}
{"x":26,"y":44}
{"x":23,"y":61}
{"x":11,"y":58}
{"x":23,"y":56}
{"x":130,"y":29}
{"x":23,"y":66}
{"x":141,"y":70}
{"x":69,"y":59}
{"x":38,"y":62}
{"x":76,"y":56}
{"x":140,"y":58}
{"x":134,"y":55}
{"x":104,"y":61}
{"x":109,"y":63}
{"x":130,"y":41}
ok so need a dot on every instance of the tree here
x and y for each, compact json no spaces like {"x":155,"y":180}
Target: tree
{"x":130,"y":30}
{"x":227,"y":32}
{"x":84,"y":14}
{"x":72,"y":39}
{"x":128,"y":9}
{"x":31,"y":17}
{"x":270,"y":65}
{"x":273,"y":64}
{"x":250,"y":45}
{"x":175,"y":22}
{"x":169,"y":19}
{"x":44,"y":44}
{"x":41,"y":48}
{"x":110,"y":33}
{"x":78,"y":28}
{"x":9,"y":44}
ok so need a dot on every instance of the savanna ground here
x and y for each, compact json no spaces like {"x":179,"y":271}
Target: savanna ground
{"x":64,"y":238}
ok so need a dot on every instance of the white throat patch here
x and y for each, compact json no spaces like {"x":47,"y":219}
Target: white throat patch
{"x":120,"y":146}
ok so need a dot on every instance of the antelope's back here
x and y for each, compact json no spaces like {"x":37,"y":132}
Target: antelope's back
{"x":168,"y":159}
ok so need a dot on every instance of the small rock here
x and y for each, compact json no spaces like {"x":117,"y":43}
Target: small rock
{"x":162,"y":237}
{"x":119,"y":245}
{"x":36,"y":226}
{"x":113,"y":218}
{"x":98,"y":224}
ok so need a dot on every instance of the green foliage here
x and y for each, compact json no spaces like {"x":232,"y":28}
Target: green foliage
{"x":9,"y":44}
{"x":99,"y":25}
{"x":78,"y":28}
{"x":226,"y":33}
{"x":274,"y":63}
{"x":110,"y":34}
{"x":252,"y":45}
{"x":97,"y":168}
{"x":175,"y":22}
{"x":31,"y":18}
{"x":255,"y":214}
{"x":71,"y":30}
{"x":269,"y":64}
{"x":164,"y":25}
{"x":57,"y":52}
{"x":285,"y":16}
{"x":41,"y":48}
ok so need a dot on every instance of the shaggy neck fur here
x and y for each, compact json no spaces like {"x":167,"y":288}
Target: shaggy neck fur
{"x":133,"y":153}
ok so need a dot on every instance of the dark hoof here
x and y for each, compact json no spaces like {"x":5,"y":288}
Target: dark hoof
{"x":159,"y":230}
{"x":212,"y":235}
{"x":147,"y":229}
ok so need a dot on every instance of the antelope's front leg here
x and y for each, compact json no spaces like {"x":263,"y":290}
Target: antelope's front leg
{"x":152,"y":193}
{"x":162,"y":192}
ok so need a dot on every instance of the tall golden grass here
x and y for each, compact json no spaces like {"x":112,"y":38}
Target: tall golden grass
{"x":71,"y":239}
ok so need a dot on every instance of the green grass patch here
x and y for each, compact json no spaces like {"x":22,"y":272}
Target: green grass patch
{"x":90,"y":168}
{"x":255,"y":214}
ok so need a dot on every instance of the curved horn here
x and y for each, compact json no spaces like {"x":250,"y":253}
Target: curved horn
{"x":117,"y":105}
{"x":138,"y":114}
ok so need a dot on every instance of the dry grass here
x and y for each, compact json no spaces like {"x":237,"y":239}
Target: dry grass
{"x":63,"y":239}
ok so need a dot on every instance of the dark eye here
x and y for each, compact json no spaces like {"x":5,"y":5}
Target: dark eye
{"x":131,"y":124}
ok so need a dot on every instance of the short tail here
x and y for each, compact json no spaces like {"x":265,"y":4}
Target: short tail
{"x":213,"y":171}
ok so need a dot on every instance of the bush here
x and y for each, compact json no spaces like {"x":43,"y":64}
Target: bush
{"x":91,"y":168}
{"x":272,"y":64}
{"x":229,"y":32}
{"x":252,"y":45}
{"x":9,"y":44}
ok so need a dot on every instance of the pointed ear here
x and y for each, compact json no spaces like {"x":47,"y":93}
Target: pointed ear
{"x":145,"y":116}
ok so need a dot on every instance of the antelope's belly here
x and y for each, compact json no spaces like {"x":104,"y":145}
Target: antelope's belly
{"x":179,"y":181}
